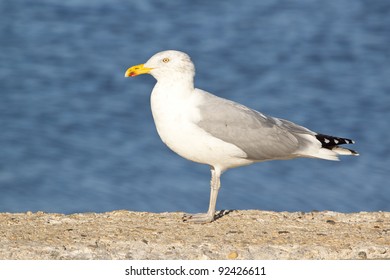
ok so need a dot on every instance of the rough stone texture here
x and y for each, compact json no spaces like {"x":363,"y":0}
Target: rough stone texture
{"x":236,"y":235}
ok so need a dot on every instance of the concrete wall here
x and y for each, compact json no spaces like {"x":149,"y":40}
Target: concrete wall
{"x":236,"y":235}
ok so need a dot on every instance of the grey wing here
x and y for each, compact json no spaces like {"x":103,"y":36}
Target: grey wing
{"x":259,"y":136}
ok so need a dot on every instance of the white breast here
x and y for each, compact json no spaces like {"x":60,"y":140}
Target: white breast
{"x":175,"y":115}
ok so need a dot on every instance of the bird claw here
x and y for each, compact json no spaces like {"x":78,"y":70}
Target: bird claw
{"x":200,"y":218}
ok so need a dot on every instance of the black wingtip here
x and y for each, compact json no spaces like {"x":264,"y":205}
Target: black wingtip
{"x":354,"y":152}
{"x":328,"y":141}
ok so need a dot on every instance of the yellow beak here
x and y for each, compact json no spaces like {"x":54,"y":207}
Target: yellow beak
{"x":137,"y":70}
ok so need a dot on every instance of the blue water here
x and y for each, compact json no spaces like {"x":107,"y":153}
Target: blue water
{"x":77,"y":136}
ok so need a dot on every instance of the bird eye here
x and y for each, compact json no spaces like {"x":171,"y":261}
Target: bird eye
{"x":165,"y":60}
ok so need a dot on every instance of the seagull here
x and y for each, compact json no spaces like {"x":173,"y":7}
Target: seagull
{"x":223,"y":134}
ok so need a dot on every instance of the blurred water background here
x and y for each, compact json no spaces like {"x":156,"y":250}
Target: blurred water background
{"x":76,"y":136}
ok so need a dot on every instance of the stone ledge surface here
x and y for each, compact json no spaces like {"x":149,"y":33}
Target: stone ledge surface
{"x":248,"y":234}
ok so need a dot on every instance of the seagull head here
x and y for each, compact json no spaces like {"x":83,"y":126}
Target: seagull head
{"x":165,"y":65}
